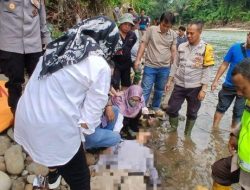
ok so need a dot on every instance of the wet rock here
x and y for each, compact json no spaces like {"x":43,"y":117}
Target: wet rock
{"x":92,"y":171}
{"x":1,"y":158}
{"x":37,"y":169}
{"x":13,"y":177}
{"x":18,"y":184}
{"x":5,"y":182}
{"x":162,"y":149}
{"x":28,"y":160}
{"x":25,"y":172}
{"x":63,"y":182}
{"x":2,"y":167}
{"x":154,"y":122}
{"x":4,"y":144}
{"x":63,"y":188}
{"x":181,"y":117}
{"x":24,"y":156}
{"x":90,"y":159}
{"x":144,"y":123}
{"x":14,"y":160}
{"x":10,"y":133}
{"x":30,"y":178}
{"x":28,"y":187}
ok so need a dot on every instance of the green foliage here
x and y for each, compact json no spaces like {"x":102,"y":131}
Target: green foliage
{"x":222,"y":11}
{"x":62,"y":13}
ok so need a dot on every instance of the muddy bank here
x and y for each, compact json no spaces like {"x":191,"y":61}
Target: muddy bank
{"x":231,"y":26}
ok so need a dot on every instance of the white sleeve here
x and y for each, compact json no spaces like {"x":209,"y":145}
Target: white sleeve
{"x":95,"y":101}
{"x":119,"y":123}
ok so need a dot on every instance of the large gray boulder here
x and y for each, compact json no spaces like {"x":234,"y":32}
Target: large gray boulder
{"x":5,"y":182}
{"x":18,"y":184}
{"x":4,"y":144}
{"x":37,"y":169}
{"x":14,"y":160}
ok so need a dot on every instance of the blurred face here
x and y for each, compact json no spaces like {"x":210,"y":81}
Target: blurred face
{"x":125,"y":27}
{"x":248,"y":40}
{"x":133,"y":101}
{"x":136,"y":26}
{"x":193,"y":34}
{"x":164,"y":27}
{"x":142,"y":13}
{"x":242,"y":85}
{"x":181,"y":33}
{"x":143,"y":137}
{"x":131,"y":11}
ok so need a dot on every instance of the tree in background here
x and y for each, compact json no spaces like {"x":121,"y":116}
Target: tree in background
{"x":62,"y":13}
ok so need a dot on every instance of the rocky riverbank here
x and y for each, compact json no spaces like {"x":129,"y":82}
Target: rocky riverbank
{"x":17,"y":169}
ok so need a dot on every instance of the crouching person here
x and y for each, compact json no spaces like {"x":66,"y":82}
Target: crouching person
{"x":104,"y":135}
{"x":64,"y":99}
{"x":130,"y":104}
{"x":236,"y":168}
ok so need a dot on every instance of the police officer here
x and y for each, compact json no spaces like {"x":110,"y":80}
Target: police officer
{"x":23,"y":33}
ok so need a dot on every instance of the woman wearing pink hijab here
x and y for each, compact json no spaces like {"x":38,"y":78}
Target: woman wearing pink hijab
{"x":130,"y":104}
{"x":127,"y":107}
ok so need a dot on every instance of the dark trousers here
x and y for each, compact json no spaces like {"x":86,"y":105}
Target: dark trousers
{"x":132,"y":123}
{"x":121,"y":76}
{"x":76,"y":172}
{"x":14,"y":66}
{"x":177,"y":98}
{"x":226,"y":97}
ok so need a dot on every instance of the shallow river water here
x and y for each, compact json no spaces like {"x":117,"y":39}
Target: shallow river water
{"x":183,"y":162}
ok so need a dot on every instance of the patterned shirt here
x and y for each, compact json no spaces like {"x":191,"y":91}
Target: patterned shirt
{"x":188,"y":70}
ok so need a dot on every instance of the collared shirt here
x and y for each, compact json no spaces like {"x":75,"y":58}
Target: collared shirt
{"x":159,"y":45}
{"x":188,"y":70}
{"x":23,"y":26}
{"x":51,"y":110}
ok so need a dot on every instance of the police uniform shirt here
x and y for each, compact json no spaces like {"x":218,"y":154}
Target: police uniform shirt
{"x":188,"y":68}
{"x":23,"y":26}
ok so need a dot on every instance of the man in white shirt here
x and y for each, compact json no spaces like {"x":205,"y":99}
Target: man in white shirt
{"x":64,"y":100}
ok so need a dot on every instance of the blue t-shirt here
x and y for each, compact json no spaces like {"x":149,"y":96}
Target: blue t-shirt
{"x":233,"y":57}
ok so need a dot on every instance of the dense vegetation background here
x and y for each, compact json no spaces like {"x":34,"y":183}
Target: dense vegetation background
{"x":62,"y":13}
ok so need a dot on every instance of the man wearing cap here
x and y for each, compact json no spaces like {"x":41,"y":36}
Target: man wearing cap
{"x":227,"y":94}
{"x":122,"y":59}
{"x":23,"y":31}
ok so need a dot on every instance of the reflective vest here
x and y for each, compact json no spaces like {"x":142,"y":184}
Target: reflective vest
{"x":244,"y":140}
